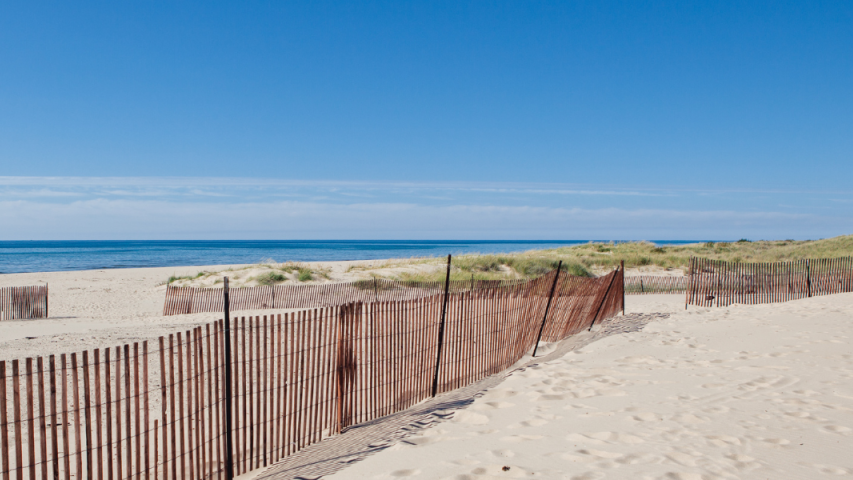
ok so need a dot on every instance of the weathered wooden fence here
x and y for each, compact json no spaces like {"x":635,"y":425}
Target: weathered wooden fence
{"x":718,"y":283}
{"x":646,"y":284}
{"x":18,"y":303}
{"x":180,"y":300}
{"x":159,"y":413}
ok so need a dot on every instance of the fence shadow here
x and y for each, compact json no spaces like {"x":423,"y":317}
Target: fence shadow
{"x":334,"y":454}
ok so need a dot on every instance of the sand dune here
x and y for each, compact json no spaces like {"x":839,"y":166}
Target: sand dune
{"x":740,"y":392}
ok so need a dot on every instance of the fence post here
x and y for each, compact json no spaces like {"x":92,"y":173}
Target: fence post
{"x":229,"y":457}
{"x":604,"y":299}
{"x":622,"y":264}
{"x":375,"y":290}
{"x":689,"y":282}
{"x":547,"y":307}
{"x":808,"y":277}
{"x":441,"y":328}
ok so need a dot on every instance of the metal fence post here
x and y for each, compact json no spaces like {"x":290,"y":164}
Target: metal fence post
{"x":604,"y":299}
{"x":229,"y":457}
{"x":441,"y":329}
{"x":547,"y":307}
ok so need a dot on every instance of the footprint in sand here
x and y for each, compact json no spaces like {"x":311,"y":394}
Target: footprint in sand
{"x":744,"y":462}
{"x":589,"y":476}
{"x":599,"y":453}
{"x":723,"y":440}
{"x":840,"y":430}
{"x":470,"y":418}
{"x":682,"y":459}
{"x":805,"y":416}
{"x":536,"y":422}
{"x":831,"y":469}
{"x":495,"y":405}
{"x":689,"y":419}
{"x":686,"y":476}
{"x":503,"y":453}
{"x":521,"y":438}
{"x":638,"y":459}
{"x":405,"y":473}
{"x":646,"y":417}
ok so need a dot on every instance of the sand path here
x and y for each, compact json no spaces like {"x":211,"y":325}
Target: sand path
{"x":740,"y":392}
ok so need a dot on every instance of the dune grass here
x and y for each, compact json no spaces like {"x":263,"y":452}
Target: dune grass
{"x":639,"y":254}
{"x":595,"y":257}
{"x":276,"y":273}
{"x":580,"y":260}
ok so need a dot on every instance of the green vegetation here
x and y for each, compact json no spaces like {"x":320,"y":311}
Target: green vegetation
{"x":173,"y":278}
{"x":271,"y":274}
{"x":582,"y":259}
{"x":270,"y":278}
{"x":638,"y":254}
{"x":495,"y":267}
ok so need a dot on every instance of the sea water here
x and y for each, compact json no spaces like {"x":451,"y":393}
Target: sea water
{"x":52,"y":256}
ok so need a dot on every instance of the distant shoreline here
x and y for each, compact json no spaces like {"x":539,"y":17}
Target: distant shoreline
{"x":33,"y":256}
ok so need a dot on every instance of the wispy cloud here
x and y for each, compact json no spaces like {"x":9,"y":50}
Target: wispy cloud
{"x":472,"y":186}
{"x":170,"y":207}
{"x":102,"y":218}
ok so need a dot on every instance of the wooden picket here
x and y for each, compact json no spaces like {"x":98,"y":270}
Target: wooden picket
{"x":297,"y":377}
{"x":20,"y":303}
{"x":717,"y":283}
{"x":649,"y":284}
{"x":183,"y":300}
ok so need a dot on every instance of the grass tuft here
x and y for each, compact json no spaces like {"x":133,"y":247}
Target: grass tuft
{"x":270,"y":278}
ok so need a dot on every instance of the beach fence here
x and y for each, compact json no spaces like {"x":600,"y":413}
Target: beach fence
{"x":718,"y":283}
{"x":20,"y":303}
{"x":182,"y":300}
{"x":647,"y":284}
{"x":160,"y":411}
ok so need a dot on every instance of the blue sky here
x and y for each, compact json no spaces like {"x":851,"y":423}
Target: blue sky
{"x":402,"y":120}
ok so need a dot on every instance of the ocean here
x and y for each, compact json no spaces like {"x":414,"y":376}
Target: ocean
{"x":53,"y":256}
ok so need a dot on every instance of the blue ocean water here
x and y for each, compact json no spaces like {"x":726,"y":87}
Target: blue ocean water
{"x":53,"y":256}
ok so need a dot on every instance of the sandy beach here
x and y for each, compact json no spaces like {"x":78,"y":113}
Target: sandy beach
{"x":97,"y":308}
{"x":739,"y":392}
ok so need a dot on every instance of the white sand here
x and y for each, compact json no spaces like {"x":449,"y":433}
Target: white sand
{"x":757,"y":392}
{"x":103,"y":308}
{"x":738,"y":392}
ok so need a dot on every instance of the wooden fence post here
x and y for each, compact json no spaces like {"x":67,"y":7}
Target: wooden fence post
{"x":229,"y":457}
{"x":441,"y":328}
{"x":808,"y":278}
{"x":622,"y":265}
{"x":689,"y":282}
{"x":547,"y":307}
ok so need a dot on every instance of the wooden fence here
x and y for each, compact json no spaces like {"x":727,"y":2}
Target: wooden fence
{"x":181,"y":300}
{"x":718,"y":283}
{"x":18,"y":303}
{"x":646,"y":284}
{"x":143,"y":413}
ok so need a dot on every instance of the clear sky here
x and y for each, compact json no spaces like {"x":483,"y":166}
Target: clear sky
{"x":487,"y":120}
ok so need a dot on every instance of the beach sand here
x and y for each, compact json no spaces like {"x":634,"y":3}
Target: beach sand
{"x":98,"y":308}
{"x":740,"y":392}
{"x":757,"y":392}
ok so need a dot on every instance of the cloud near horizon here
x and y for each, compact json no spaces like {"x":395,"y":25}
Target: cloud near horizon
{"x":55,"y":208}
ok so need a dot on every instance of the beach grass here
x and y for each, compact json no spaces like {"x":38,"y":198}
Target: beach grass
{"x":590,"y":257}
{"x":581,"y":260}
